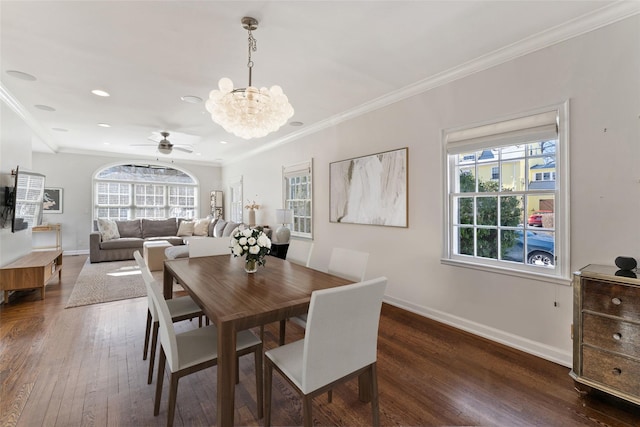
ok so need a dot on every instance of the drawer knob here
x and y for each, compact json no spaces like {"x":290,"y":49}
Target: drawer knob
{"x":616,"y":371}
{"x":616,"y":301}
{"x":617,"y":336}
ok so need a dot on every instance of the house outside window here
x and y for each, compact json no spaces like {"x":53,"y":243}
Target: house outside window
{"x":504,"y":208}
{"x":129,"y":191}
{"x":298,"y":196}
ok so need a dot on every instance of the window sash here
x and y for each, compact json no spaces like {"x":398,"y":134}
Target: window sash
{"x":298,"y":196}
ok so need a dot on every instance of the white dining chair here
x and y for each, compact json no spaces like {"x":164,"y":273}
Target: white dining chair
{"x":193,"y":351}
{"x":209,"y":246}
{"x":299,"y":252}
{"x":340,"y":343}
{"x":180,"y":308}
{"x":346,"y":263}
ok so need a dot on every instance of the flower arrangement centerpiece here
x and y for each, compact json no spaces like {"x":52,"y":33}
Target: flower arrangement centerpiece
{"x":254,"y":244}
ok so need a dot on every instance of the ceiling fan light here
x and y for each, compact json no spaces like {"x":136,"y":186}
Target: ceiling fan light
{"x":164,"y":150}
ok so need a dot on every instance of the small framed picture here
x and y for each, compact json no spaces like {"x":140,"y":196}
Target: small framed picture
{"x":52,"y":201}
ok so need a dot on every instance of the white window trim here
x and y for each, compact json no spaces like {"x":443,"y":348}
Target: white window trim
{"x":477,"y":135}
{"x":293,"y":170}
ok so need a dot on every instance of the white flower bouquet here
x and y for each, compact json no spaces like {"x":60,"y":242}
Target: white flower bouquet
{"x":251,"y":242}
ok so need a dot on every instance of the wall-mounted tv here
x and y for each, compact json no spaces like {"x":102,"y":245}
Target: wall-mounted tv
{"x":27,"y":200}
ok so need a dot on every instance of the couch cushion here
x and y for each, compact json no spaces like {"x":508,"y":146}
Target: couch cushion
{"x":201,"y":227}
{"x":186,"y":228}
{"x":130,"y":228}
{"x":159,"y":227}
{"x":219,"y":228}
{"x":122,"y":243}
{"x":177,"y":252}
{"x":108,"y":229}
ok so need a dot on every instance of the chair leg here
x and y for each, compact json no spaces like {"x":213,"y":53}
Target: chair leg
{"x":283,"y":328}
{"x":268,"y":378}
{"x":237,"y":370}
{"x":375,"y":407}
{"x":330,"y":396}
{"x":161,"y":363}
{"x":199,"y":321}
{"x":147,"y":334}
{"x":259,"y":377}
{"x":306,"y":410}
{"x":154,"y":345}
{"x":173,"y":394}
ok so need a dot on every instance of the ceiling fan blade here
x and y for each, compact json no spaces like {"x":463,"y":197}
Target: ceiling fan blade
{"x":186,"y":150}
{"x":143,"y":145}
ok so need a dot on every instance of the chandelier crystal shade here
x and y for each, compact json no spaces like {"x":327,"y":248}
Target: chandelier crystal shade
{"x":248,"y":112}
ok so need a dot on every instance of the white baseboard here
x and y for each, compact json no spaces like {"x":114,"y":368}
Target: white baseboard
{"x":80,"y":252}
{"x":544,"y":351}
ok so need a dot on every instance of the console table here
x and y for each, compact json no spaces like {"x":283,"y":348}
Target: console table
{"x":31,"y":271}
{"x":49,"y":228}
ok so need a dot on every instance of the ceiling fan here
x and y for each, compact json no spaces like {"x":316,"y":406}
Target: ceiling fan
{"x":165,"y":146}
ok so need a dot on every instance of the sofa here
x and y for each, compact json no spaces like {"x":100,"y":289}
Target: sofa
{"x":118,"y":240}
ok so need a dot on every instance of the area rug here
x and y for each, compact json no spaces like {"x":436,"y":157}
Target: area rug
{"x":108,"y":281}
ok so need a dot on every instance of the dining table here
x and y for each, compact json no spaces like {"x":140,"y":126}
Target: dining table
{"x":235,"y":300}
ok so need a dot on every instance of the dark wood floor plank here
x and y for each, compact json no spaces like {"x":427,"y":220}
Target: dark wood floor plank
{"x":83,"y":366}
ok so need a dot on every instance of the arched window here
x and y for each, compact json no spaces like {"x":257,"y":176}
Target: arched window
{"x":129,"y":191}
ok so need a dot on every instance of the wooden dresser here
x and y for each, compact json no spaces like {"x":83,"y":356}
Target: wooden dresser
{"x":606,"y":332}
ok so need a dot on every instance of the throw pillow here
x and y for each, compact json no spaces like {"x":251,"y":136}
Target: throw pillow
{"x":201,"y":227}
{"x":108,"y":229}
{"x":186,"y":228}
{"x":219,"y":228}
{"x":212,"y":226}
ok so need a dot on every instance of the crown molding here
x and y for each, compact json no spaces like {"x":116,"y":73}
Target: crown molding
{"x":29,"y":120}
{"x":602,"y":17}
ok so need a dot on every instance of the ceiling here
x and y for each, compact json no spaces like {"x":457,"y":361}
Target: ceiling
{"x":333,"y":59}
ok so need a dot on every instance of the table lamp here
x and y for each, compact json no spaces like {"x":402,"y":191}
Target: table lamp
{"x":284,"y":217}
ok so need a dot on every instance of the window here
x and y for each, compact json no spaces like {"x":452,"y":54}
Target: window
{"x":298,"y":195}
{"x":504,"y":207}
{"x":144,"y":191}
{"x":235,"y":210}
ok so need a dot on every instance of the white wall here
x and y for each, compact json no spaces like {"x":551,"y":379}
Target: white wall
{"x":74,"y":173}
{"x":598,"y":72}
{"x":15,"y":150}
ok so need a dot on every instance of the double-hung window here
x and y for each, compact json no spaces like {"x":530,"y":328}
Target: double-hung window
{"x":298,"y":197}
{"x":504,"y":207}
{"x":235,"y":204}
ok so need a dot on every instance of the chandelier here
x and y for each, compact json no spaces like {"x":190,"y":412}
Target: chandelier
{"x":248,"y":112}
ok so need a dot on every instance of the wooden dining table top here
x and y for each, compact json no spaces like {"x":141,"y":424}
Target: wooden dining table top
{"x":226,"y":292}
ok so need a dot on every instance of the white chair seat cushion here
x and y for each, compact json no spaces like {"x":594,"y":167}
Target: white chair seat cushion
{"x":182,"y":306}
{"x":201,"y":344}
{"x":289,"y":359}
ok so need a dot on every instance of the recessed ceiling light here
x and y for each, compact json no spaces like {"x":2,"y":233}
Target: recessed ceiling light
{"x":104,"y":125}
{"x":44,"y":107}
{"x":191,"y":99}
{"x":106,"y":143}
{"x":100,"y":92}
{"x":60,"y":129}
{"x":223,"y":142}
{"x":20,"y":75}
{"x":296,"y":123}
{"x":198,"y":154}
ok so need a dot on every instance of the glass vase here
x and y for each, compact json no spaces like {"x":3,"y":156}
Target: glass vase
{"x":251,"y":265}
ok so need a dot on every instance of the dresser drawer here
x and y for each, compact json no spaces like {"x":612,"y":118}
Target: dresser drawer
{"x":611,"y":334}
{"x":614,"y":371}
{"x":611,"y":298}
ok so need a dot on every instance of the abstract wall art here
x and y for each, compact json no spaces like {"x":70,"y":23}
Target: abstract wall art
{"x":370,"y":190}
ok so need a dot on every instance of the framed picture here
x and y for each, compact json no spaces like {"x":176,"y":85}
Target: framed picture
{"x":52,"y":201}
{"x":370,"y":190}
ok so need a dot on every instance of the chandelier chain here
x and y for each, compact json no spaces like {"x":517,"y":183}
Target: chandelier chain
{"x":252,"y":47}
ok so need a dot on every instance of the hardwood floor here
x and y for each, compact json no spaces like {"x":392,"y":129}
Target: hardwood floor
{"x":83,"y":366}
